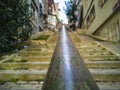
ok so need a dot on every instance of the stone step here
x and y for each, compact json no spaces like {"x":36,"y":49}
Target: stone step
{"x":38,"y":58}
{"x":51,"y":44}
{"x":34,"y":85}
{"x":108,"y":75}
{"x":24,"y":66}
{"x":48,"y":50}
{"x":109,"y":85}
{"x":45,"y":65}
{"x":89,"y":49}
{"x":78,"y":44}
{"x":92,"y":50}
{"x":100,"y":57}
{"x":28,"y":58}
{"x":88,"y":46}
{"x":41,"y":49}
{"x":34,"y":53}
{"x":94,"y":53}
{"x":22,"y":75}
{"x":33,"y":49}
{"x":84,"y":43}
{"x":75,"y":39}
{"x":22,"y":85}
{"x":103,"y":64}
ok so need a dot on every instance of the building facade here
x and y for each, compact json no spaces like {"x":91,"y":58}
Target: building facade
{"x":35,"y":20}
{"x":48,"y":10}
{"x":78,"y":13}
{"x":102,"y":18}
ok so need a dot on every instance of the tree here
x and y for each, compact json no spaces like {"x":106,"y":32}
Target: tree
{"x":15,"y":24}
{"x":70,"y":11}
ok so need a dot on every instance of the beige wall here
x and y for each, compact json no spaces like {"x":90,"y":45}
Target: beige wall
{"x":101,"y":14}
{"x":86,"y":5}
{"x":111,"y":28}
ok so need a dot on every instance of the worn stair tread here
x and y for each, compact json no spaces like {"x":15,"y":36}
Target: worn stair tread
{"x":30,"y":56}
{"x":88,"y":47}
{"x":91,"y":50}
{"x":109,"y":85}
{"x":102,"y":62}
{"x":26,"y":63}
{"x":100,"y":57}
{"x":19,"y":82}
{"x":39,"y":49}
{"x":23,"y":71}
{"x":21,"y":87}
{"x":105,"y":71}
{"x":94,"y":52}
{"x":93,"y":71}
{"x":35,"y":52}
{"x":95,"y":55}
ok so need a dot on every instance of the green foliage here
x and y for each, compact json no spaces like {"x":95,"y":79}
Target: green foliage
{"x":15,"y":24}
{"x":70,"y":11}
{"x":42,"y":37}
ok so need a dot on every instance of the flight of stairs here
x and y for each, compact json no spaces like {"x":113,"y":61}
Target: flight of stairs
{"x":27,"y":69}
{"x":103,"y":64}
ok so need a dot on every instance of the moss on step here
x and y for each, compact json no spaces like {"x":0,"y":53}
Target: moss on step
{"x":1,"y":68}
{"x":11,"y":60}
{"x":21,"y":77}
{"x":107,"y":77}
{"x":42,"y":37}
{"x":15,"y":80}
{"x":21,"y":69}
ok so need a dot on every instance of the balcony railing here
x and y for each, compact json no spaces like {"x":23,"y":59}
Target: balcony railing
{"x":67,"y":70}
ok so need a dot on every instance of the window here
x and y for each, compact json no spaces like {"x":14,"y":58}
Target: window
{"x":116,"y":6}
{"x":88,"y":21}
{"x":33,"y":12}
{"x":101,"y":2}
{"x":91,"y":16}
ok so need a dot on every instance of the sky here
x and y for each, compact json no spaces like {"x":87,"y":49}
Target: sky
{"x":62,"y":15}
{"x":56,"y":1}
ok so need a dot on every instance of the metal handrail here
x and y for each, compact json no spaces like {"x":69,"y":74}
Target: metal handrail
{"x":67,"y":70}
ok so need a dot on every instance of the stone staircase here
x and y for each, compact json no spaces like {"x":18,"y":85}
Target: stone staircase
{"x":27,"y":69}
{"x":103,"y":64}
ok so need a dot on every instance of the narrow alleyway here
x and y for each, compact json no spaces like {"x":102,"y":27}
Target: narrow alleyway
{"x":27,"y":69}
{"x":29,"y":31}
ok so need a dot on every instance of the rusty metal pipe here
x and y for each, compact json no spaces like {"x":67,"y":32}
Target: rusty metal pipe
{"x":67,"y":70}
